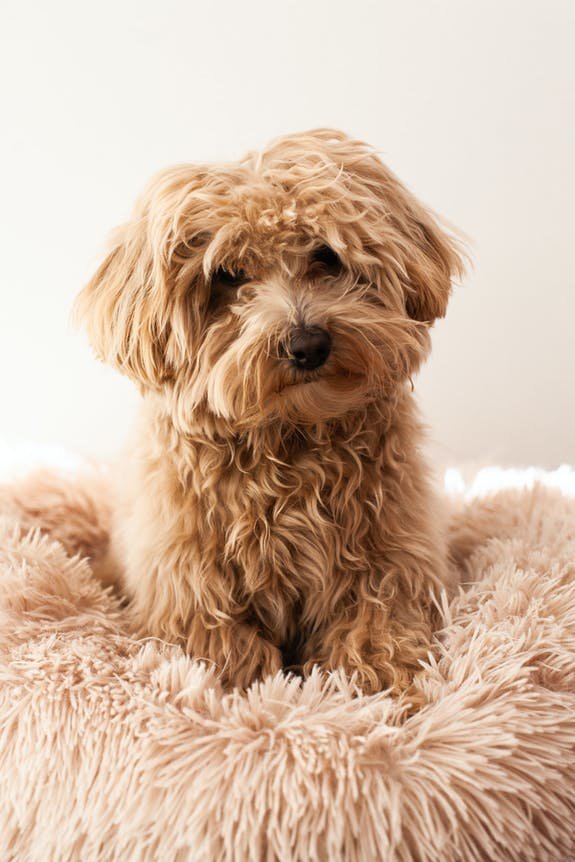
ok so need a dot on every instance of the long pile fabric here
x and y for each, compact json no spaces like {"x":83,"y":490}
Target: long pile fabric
{"x":118,"y":749}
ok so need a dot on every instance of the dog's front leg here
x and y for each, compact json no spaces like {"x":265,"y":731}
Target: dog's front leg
{"x":378,"y":641}
{"x":224,"y":638}
{"x":237,"y":650}
{"x":180,"y":587}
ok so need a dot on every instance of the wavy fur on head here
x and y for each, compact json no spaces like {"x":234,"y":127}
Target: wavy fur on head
{"x":275,"y":513}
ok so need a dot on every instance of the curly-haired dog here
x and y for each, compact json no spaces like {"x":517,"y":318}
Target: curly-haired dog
{"x":272,"y":312}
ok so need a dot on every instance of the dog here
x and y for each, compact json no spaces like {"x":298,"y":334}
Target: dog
{"x":276,"y":510}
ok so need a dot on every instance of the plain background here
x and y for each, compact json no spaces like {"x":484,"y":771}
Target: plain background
{"x":471,"y":103}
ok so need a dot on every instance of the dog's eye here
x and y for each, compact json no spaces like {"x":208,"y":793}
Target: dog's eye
{"x":226,"y":278}
{"x":325,"y":258}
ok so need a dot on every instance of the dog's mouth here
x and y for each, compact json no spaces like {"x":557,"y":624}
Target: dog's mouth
{"x":346,"y":380}
{"x":303,"y":378}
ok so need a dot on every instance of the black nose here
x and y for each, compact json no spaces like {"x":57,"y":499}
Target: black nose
{"x":309,"y":347}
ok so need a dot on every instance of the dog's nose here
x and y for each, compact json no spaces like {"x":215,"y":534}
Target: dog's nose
{"x":309,"y":347}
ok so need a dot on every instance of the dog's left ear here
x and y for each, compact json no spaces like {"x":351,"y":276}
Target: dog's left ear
{"x":427,"y":255}
{"x":432,"y":258}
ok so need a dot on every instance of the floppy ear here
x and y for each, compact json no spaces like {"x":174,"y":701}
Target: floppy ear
{"x":121,"y":307}
{"x":432,"y":260}
{"x":427,"y":256}
{"x":134,"y":307}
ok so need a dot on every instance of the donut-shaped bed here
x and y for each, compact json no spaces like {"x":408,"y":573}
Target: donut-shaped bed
{"x":118,"y":749}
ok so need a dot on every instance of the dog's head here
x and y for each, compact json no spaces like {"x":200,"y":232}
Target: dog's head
{"x":296,"y":284}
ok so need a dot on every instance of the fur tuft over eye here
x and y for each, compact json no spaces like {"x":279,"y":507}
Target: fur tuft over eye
{"x":326,"y":259}
{"x":225,"y":278}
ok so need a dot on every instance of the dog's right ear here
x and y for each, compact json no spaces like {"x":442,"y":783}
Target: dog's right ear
{"x":130,"y":306}
{"x":121,"y":307}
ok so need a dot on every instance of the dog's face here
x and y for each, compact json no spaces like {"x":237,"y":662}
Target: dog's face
{"x":294,"y":285}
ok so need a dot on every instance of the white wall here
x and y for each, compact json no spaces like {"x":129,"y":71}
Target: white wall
{"x":472,"y":104}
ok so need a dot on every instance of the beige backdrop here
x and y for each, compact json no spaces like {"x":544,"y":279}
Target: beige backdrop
{"x":471,"y":103}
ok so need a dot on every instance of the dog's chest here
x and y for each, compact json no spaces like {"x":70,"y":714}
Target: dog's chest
{"x":288,"y":527}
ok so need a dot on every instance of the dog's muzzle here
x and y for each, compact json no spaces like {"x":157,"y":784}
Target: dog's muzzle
{"x":309,"y":347}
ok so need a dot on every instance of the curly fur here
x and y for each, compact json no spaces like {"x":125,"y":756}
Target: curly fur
{"x":271,"y":516}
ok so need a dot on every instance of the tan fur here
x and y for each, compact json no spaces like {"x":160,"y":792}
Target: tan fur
{"x":76,"y":512}
{"x":269,"y":515}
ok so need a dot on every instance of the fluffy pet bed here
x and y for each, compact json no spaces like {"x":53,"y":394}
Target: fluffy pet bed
{"x":113,"y":749}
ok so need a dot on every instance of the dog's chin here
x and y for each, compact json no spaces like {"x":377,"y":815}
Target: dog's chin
{"x":280,"y":395}
{"x":310,"y":400}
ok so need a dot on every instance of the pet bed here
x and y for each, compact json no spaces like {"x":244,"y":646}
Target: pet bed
{"x":113,"y":749}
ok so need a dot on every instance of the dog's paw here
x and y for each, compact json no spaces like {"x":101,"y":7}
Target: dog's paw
{"x":250,"y":662}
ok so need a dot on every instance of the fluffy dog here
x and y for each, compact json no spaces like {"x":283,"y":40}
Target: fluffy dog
{"x":272,"y":312}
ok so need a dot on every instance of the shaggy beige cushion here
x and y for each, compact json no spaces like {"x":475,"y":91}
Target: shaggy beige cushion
{"x":112,"y":749}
